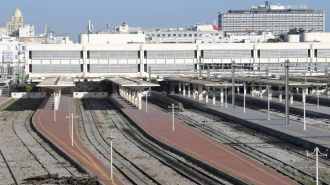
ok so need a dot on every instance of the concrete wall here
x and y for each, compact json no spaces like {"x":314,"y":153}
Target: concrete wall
{"x":165,"y":99}
{"x":17,"y":95}
{"x":80,"y":95}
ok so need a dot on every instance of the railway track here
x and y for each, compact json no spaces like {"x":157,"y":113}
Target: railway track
{"x":130,"y":170}
{"x":278,"y":165}
{"x":44,"y":158}
{"x":166,"y":158}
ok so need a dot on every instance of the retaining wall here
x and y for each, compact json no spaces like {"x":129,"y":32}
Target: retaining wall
{"x":17,"y":95}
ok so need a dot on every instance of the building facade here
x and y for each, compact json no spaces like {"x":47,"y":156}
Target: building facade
{"x":133,"y":60}
{"x":274,"y":18}
{"x":15,"y":23}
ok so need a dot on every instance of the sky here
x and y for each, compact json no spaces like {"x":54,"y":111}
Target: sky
{"x":70,"y":17}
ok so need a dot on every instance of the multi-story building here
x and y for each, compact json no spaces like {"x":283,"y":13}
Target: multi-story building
{"x":276,"y":18}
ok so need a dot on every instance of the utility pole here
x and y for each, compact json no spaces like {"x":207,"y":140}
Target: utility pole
{"x":172,"y":106}
{"x":68,"y":117}
{"x":54,"y":107}
{"x":286,"y":65}
{"x":226,"y":93}
{"x":268,"y":87}
{"x":317,"y":151}
{"x":111,"y":138}
{"x":233,"y":84}
{"x":304,"y":101}
{"x":149,"y":72}
{"x":244,"y":96}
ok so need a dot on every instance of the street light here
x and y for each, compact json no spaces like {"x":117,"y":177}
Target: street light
{"x":226,"y":93}
{"x":317,"y":151}
{"x":304,"y":101}
{"x":172,"y":106}
{"x":244,"y":96}
{"x":111,"y":138}
{"x":68,"y":117}
{"x":268,"y":87}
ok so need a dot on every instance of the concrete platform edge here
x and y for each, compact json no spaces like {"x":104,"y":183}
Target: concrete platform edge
{"x":201,"y":164}
{"x":274,"y":133}
{"x":61,"y":152}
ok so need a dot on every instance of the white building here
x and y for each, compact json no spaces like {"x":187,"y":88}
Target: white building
{"x":275,"y":18}
{"x":132,"y":60}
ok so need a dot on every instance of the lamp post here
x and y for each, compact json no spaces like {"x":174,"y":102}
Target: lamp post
{"x":244,"y":96}
{"x":317,"y":94}
{"x":226,"y":93}
{"x":304,"y":101}
{"x":54,"y":107}
{"x":317,"y":151}
{"x":111,"y":138}
{"x":172,"y":106}
{"x":268,"y":87}
{"x":68,"y":117}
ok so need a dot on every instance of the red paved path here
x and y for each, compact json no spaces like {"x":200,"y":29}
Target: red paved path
{"x":3,"y":99}
{"x":200,"y":146}
{"x":59,"y":132}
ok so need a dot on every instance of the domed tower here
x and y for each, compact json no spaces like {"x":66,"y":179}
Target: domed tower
{"x":17,"y":17}
{"x":15,"y":23}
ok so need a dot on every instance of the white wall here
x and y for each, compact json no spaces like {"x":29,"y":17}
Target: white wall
{"x":80,"y":95}
{"x":17,"y":95}
{"x":111,"y":38}
{"x":315,"y":37}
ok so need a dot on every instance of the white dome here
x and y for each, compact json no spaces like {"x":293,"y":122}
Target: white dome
{"x":17,"y":13}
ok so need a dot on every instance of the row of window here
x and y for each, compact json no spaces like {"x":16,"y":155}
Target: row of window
{"x":222,"y":53}
{"x":176,"y":35}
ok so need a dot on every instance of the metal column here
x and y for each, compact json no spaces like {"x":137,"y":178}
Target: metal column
{"x":286,"y":65}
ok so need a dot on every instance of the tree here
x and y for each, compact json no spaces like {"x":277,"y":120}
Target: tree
{"x":155,"y":81}
{"x":28,"y":87}
{"x":293,"y":31}
{"x":282,"y":37}
{"x":76,"y":89}
{"x":84,"y":87}
{"x":301,"y":30}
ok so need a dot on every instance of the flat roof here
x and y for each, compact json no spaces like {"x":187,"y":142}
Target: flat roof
{"x":204,"y":82}
{"x":131,"y":82}
{"x":62,"y":82}
{"x":310,"y":79}
{"x":271,"y":81}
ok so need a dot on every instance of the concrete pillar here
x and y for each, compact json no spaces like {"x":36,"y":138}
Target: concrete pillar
{"x":139,"y":99}
{"x":132,"y":96}
{"x":172,"y":87}
{"x":252,"y":89}
{"x":221,"y":96}
{"x":129,"y":95}
{"x":213,"y":95}
{"x":280,"y":93}
{"x":328,"y":91}
{"x":180,"y":88}
{"x":238,"y":90}
{"x":136,"y":98}
{"x":200,"y":92}
{"x":260,"y":89}
{"x":207,"y":94}
{"x":291,"y":95}
{"x":194,"y":91}
{"x":297,"y":89}
{"x":184,"y":90}
{"x":188,"y":90}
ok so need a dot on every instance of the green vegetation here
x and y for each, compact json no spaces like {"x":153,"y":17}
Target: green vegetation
{"x":112,"y":126}
{"x":76,"y":89}
{"x":155,"y":81}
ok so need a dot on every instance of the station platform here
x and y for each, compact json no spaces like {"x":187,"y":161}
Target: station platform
{"x":312,"y":134}
{"x":198,"y":145}
{"x":59,"y":133}
{"x":296,"y":104}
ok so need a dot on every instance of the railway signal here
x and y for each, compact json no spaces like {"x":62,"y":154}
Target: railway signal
{"x":317,"y":151}
{"x":68,"y":117}
{"x":172,"y":106}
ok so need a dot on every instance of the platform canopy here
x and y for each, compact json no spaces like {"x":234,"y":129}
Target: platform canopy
{"x":57,"y":83}
{"x":273,"y":82}
{"x":131,"y":82}
{"x":313,"y":80}
{"x":203,"y":82}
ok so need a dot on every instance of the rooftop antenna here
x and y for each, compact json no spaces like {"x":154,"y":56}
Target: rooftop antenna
{"x":108,"y":26}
